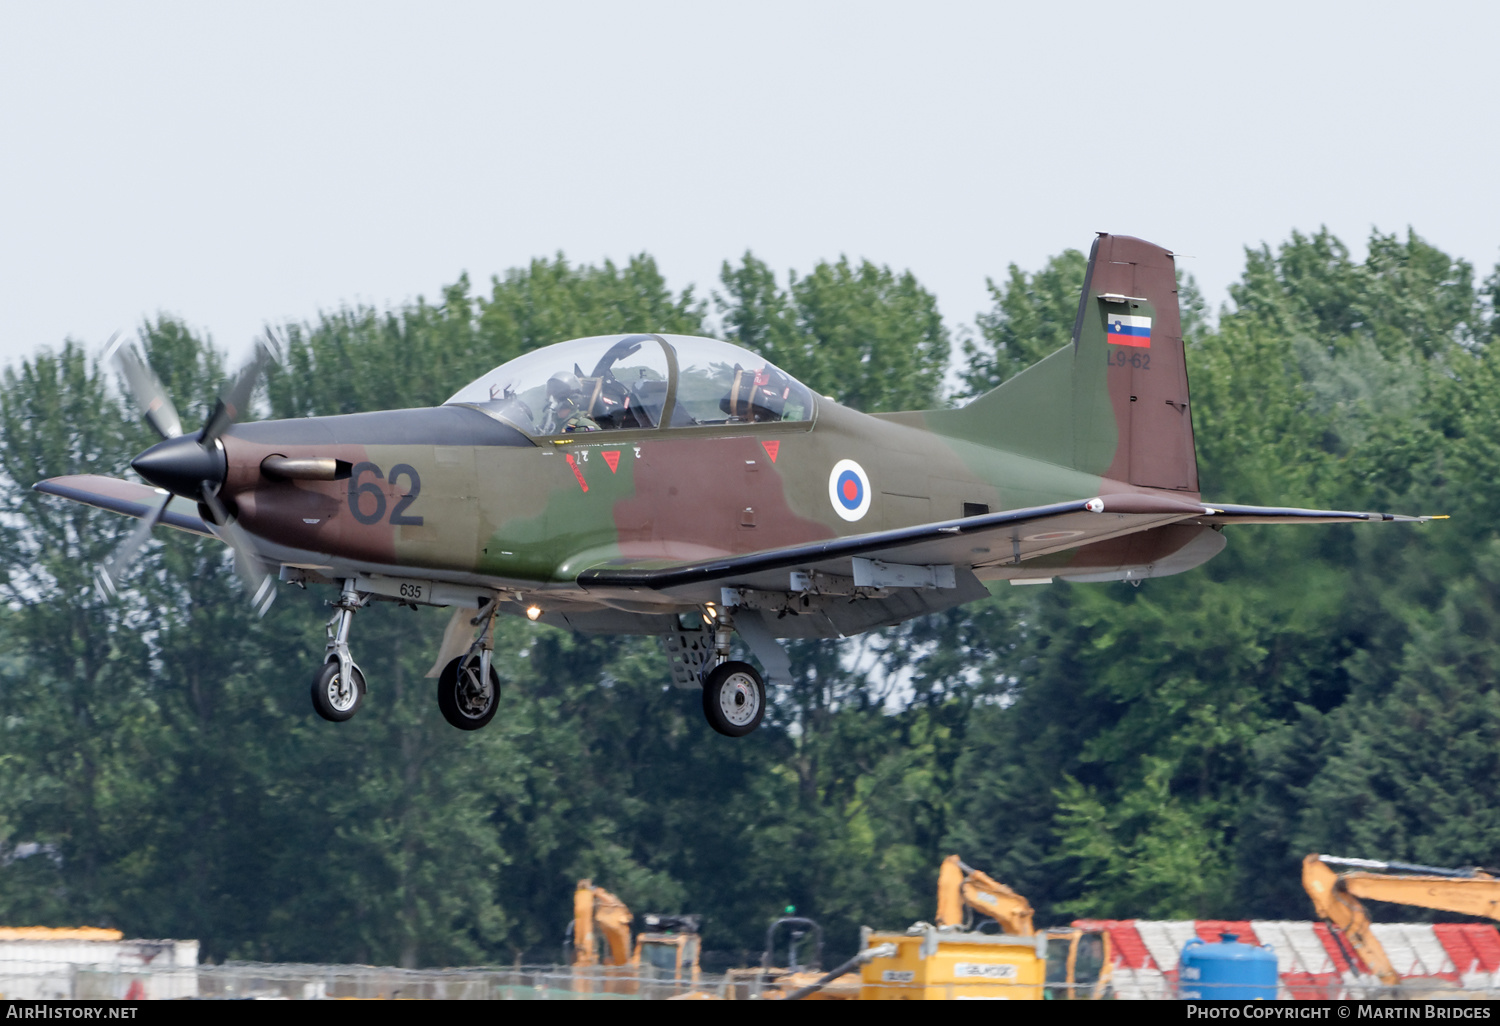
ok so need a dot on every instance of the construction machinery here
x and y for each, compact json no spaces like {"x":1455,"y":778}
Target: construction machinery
{"x":1471,"y":892}
{"x":795,"y":980}
{"x":926,"y":963}
{"x":599,"y":915}
{"x":1078,"y":961}
{"x":955,"y":959}
{"x":667,"y":948}
{"x":963,"y":890}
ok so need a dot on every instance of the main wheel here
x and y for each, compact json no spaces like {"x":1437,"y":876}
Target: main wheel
{"x":734,"y":699}
{"x":334,"y":698}
{"x":467,"y":701}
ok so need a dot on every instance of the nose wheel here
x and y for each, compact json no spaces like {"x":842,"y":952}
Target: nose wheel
{"x":335,"y":695}
{"x":338,"y":688}
{"x":734,"y":698}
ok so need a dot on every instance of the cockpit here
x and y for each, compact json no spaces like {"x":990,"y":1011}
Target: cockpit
{"x":625,"y":382}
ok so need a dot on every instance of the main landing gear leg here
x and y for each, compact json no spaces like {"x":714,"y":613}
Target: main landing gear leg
{"x":339,"y":687}
{"x":734,"y":695}
{"x":469,"y":686}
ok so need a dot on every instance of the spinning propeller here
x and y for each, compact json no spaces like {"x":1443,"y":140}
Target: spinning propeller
{"x":190,"y":465}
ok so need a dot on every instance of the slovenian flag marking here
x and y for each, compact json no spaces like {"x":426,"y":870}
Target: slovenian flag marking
{"x":1128,"y":330}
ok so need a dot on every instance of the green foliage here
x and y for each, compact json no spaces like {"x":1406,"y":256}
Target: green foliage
{"x":1032,"y":318}
{"x":871,"y":338}
{"x":364,"y":359}
{"x":1149,"y":856}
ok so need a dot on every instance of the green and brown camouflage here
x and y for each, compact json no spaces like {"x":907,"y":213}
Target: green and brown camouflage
{"x":824,"y":520}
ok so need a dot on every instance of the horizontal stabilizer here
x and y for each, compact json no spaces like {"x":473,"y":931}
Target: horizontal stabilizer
{"x":1226,"y":514}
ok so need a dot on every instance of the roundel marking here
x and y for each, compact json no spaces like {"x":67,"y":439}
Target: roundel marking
{"x":849,"y":490}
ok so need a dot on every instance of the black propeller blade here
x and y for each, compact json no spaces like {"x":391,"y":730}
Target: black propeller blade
{"x":190,"y":465}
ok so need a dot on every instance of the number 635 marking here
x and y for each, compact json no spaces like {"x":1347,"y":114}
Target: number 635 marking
{"x":369,"y":488}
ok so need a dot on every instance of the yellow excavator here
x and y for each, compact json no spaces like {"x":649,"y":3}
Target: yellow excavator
{"x":962,"y":890}
{"x":1471,"y":892}
{"x":1078,"y":961}
{"x":951,"y":959}
{"x":666,"y":949}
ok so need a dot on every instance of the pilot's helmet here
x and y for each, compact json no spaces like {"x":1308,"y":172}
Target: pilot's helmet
{"x":563,"y":384}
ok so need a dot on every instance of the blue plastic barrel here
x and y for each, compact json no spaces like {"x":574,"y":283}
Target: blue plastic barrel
{"x":1227,"y":971}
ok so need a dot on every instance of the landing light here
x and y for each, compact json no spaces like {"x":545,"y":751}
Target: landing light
{"x":533,"y":612}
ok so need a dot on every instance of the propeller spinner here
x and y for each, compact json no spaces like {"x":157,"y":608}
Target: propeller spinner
{"x":192,"y":466}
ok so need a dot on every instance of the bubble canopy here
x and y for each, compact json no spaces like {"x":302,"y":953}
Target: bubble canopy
{"x":637,"y":382}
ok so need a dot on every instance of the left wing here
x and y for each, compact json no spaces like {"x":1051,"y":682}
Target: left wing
{"x":127,"y":497}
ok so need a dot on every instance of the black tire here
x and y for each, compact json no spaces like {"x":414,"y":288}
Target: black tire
{"x":464,"y":701}
{"x":332,"y":701}
{"x":734,"y":699}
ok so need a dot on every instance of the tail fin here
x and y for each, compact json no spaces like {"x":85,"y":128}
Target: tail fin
{"x":1115,"y":402}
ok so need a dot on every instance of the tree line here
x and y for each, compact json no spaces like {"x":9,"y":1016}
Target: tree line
{"x":1170,"y":750}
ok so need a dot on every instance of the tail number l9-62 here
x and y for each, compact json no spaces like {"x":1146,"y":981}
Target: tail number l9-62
{"x":367,"y":495}
{"x":1136,"y":359}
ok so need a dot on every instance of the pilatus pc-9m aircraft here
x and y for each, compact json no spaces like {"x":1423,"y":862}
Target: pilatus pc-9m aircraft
{"x":684,"y":487}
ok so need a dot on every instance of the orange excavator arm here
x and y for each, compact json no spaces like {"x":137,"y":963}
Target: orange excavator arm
{"x":596,"y":908}
{"x":1340,"y":909}
{"x":961,"y":885}
{"x":1472,"y":892}
{"x":1477,"y":895}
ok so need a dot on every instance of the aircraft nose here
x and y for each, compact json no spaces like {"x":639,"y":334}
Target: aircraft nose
{"x":181,"y":465}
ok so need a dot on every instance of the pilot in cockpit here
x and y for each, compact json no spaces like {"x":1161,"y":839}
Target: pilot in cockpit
{"x":567,"y":407}
{"x":756,"y":396}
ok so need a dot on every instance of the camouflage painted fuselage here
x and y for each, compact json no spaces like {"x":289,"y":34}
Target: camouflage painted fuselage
{"x":456,"y":494}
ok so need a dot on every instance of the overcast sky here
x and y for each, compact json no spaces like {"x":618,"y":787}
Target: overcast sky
{"x":237,"y":163}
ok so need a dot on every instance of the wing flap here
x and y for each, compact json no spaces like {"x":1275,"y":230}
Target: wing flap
{"x":126,"y":497}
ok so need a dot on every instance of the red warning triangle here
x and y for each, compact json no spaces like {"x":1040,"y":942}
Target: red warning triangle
{"x":772,"y":448}
{"x":612,"y":457}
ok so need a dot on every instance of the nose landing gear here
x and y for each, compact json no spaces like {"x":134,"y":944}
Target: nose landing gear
{"x":338,"y":688}
{"x":337,"y":695}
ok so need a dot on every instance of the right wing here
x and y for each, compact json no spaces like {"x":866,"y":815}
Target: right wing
{"x":992,"y":539}
{"x":1012,"y":536}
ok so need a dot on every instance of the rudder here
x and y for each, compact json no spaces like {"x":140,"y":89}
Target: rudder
{"x":1114,"y":403}
{"x":1128,"y":323}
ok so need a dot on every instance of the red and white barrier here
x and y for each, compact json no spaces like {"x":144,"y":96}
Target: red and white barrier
{"x":1310,"y":960}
